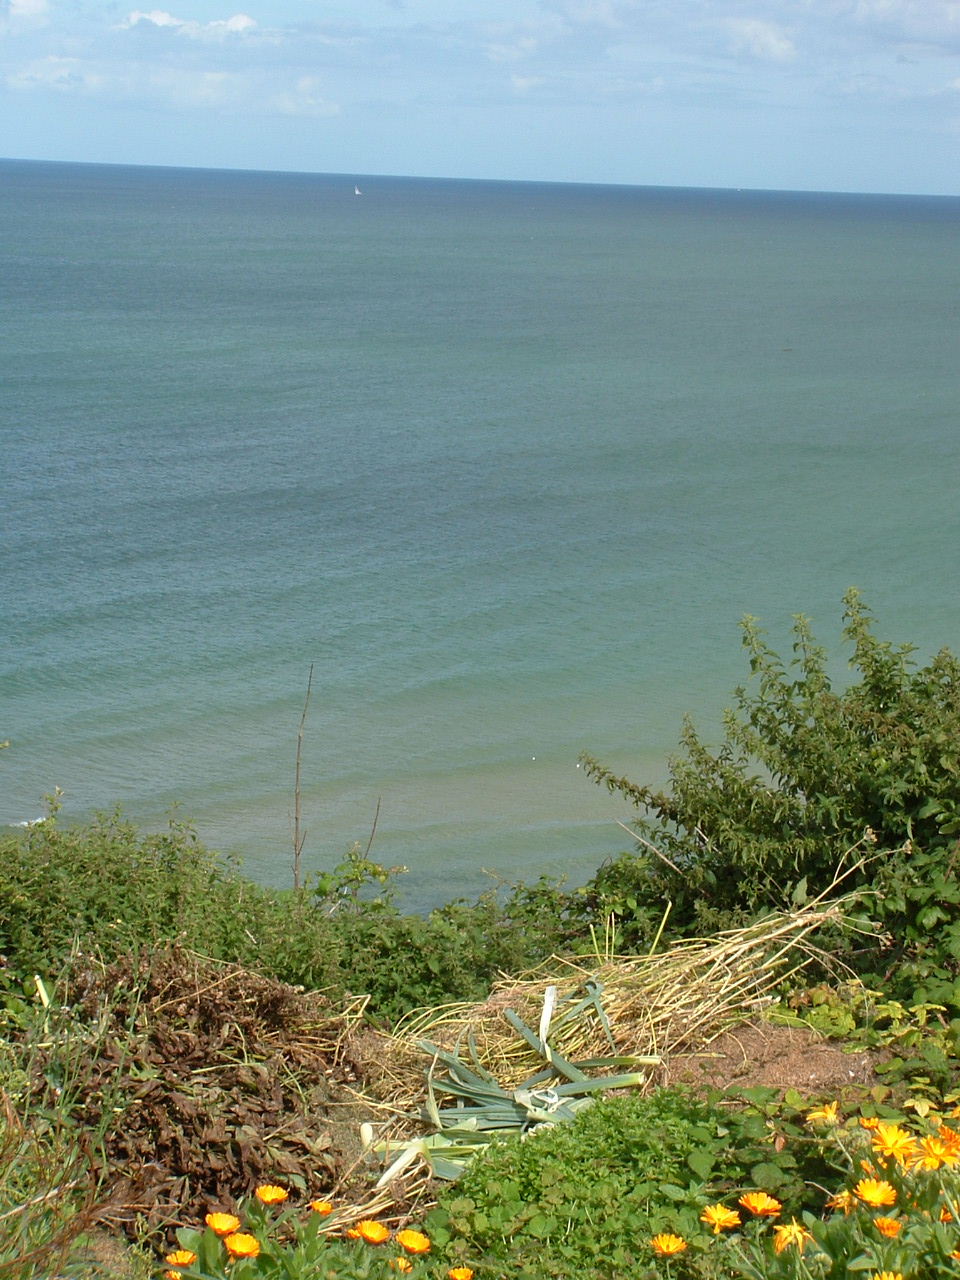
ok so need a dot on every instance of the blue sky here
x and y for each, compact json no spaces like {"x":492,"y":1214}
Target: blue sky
{"x":839,"y":95}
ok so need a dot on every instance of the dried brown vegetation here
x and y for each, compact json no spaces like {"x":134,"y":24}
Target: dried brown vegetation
{"x":206,"y":1079}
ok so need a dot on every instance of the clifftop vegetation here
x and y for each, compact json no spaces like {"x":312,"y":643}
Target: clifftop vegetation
{"x":816,"y":791}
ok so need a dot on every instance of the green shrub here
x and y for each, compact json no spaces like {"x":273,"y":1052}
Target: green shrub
{"x":110,"y":889}
{"x":804,"y":772}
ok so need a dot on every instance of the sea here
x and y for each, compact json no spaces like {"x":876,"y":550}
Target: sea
{"x":496,"y":467}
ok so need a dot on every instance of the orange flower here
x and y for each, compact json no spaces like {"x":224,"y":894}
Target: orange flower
{"x":179,"y":1258}
{"x":413,"y":1241}
{"x":887,"y":1275}
{"x":829,"y":1113}
{"x":270,"y":1194}
{"x":888,"y":1227}
{"x":760,"y":1204}
{"x":788,"y":1233}
{"x":240,"y":1245}
{"x":372,"y":1232}
{"x":667,"y":1245}
{"x":895,"y":1143}
{"x":720,"y":1218}
{"x":869,"y":1122}
{"x":844,"y":1200}
{"x":875,"y":1192}
{"x":400,"y":1264}
{"x":946,"y":1215}
{"x":321,"y":1206}
{"x":950,"y":1137}
{"x":934,"y":1152}
{"x":460,"y":1273}
{"x":223,"y":1224}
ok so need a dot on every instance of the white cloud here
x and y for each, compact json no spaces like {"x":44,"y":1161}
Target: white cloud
{"x":522,"y":47}
{"x":525,"y":84}
{"x":760,"y":39}
{"x":176,"y":88}
{"x":934,"y":21}
{"x":595,"y":13}
{"x":303,"y":98}
{"x":240,"y":24}
{"x":61,"y":75}
{"x":28,"y":10}
{"x":23,"y":15}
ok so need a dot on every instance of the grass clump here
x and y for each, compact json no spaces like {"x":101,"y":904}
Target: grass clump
{"x":47,"y":1195}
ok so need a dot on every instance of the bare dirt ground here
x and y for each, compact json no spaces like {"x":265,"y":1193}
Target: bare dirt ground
{"x":778,"y":1057}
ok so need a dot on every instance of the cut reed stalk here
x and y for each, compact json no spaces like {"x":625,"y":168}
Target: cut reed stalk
{"x":659,"y":1004}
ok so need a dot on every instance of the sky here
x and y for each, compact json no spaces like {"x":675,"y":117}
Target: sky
{"x":829,"y":95}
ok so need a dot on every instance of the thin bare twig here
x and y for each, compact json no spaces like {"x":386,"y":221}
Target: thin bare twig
{"x":299,"y":835}
{"x":635,"y":835}
{"x":373,"y":829}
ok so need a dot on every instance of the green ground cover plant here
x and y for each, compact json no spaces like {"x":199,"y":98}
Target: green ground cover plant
{"x":583,"y":1199}
{"x":893,"y":1213}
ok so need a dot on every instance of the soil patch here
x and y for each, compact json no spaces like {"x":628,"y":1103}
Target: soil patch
{"x":763,"y":1054}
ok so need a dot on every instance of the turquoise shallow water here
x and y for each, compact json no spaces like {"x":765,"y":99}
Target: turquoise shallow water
{"x":505,"y":462}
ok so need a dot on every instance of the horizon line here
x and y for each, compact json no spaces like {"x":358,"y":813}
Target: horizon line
{"x":352,"y":177}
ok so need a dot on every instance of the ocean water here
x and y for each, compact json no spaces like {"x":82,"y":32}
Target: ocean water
{"x":504,"y":463}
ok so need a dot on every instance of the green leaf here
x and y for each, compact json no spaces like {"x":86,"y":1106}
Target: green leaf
{"x":701,"y":1162}
{"x":766,"y":1174}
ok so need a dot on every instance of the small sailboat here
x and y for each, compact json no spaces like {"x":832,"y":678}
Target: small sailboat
{"x":356,"y":190}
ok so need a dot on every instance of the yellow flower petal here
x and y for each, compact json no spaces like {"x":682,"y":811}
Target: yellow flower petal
{"x":372,"y":1232}
{"x":790,"y":1233}
{"x":875,"y":1192}
{"x":760,"y":1204}
{"x":270,"y":1194}
{"x":241,"y":1245}
{"x":181,"y":1258}
{"x":666,"y":1245}
{"x":894,"y":1143}
{"x":413,"y":1241}
{"x":720,"y":1218}
{"x":828,"y":1114}
{"x":888,"y":1227}
{"x":224,"y":1224}
{"x":844,"y":1200}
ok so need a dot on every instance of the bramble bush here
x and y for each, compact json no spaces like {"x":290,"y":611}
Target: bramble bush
{"x":805,"y":773}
